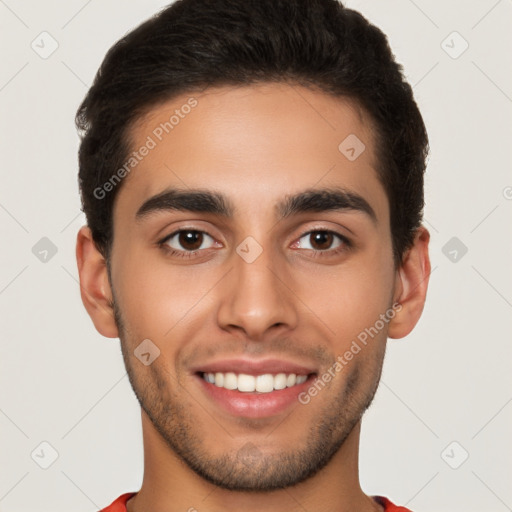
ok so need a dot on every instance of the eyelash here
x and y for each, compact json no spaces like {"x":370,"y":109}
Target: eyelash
{"x":346,"y":244}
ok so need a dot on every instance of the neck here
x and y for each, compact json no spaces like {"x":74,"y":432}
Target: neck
{"x":170,"y":485}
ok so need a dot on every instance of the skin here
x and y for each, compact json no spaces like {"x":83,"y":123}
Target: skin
{"x":255,"y":144}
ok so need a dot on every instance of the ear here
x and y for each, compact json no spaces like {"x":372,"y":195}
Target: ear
{"x":411,"y":286}
{"x":94,"y":284}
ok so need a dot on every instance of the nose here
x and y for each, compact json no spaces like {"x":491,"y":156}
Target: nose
{"x":256,"y":298}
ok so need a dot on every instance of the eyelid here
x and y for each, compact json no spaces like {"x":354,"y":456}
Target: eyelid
{"x":343,"y":238}
{"x":345,"y":244}
{"x":337,"y":229}
{"x":322,"y":229}
{"x":166,"y":238}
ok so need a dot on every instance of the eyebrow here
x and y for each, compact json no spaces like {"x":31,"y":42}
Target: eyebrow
{"x":209,"y":201}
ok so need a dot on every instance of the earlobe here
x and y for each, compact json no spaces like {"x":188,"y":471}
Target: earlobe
{"x":94,"y":284}
{"x":411,"y":286}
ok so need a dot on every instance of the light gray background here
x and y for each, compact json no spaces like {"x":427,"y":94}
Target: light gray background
{"x":61,"y":382}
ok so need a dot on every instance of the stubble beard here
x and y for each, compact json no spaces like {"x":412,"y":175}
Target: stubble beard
{"x":246,"y":469}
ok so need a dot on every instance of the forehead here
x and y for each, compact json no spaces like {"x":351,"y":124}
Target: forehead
{"x":253,"y":144}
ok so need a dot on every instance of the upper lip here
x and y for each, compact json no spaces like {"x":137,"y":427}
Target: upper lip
{"x":254,"y":367}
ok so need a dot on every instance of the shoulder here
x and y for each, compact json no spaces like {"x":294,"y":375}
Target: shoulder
{"x":388,"y":505}
{"x":119,"y":505}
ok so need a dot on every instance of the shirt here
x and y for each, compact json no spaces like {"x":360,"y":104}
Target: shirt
{"x":119,"y":505}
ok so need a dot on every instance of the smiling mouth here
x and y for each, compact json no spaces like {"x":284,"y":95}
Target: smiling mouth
{"x":244,"y":383}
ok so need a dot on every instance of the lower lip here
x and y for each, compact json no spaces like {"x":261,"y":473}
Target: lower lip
{"x":254,"y":405}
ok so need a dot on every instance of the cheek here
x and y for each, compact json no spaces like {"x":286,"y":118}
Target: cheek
{"x":350,"y":298}
{"x":155,"y":296}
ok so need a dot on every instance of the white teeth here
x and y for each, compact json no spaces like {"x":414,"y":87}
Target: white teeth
{"x":301,"y":379}
{"x":230,"y":381}
{"x":280,"y":381}
{"x":219,"y":379}
{"x":265,"y":383}
{"x":246,"y":383}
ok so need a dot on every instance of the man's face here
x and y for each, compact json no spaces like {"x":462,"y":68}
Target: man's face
{"x":258,"y":288}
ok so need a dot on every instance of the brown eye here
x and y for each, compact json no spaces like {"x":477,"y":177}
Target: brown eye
{"x":321,"y":240}
{"x":188,"y":240}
